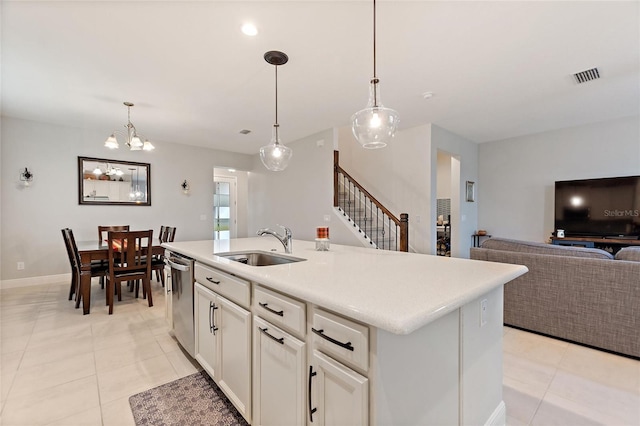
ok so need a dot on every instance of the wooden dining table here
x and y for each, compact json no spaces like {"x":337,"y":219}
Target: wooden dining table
{"x":98,"y":250}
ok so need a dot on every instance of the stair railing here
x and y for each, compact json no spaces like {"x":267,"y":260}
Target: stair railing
{"x":375,"y":221}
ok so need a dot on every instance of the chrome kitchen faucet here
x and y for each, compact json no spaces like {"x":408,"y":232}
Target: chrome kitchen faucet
{"x":284,"y":239}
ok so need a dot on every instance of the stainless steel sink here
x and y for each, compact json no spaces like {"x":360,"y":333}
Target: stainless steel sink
{"x":260,"y":258}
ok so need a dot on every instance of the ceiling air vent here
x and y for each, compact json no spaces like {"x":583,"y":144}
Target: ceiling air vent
{"x":588,"y":75}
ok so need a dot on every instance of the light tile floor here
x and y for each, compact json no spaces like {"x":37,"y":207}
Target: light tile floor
{"x":59,"y":367}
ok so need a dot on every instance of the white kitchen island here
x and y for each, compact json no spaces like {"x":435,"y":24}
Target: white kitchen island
{"x":416,"y":338}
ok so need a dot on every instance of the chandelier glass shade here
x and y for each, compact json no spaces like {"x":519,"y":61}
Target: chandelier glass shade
{"x":130,"y":135}
{"x":276,"y":156}
{"x":374,"y":125}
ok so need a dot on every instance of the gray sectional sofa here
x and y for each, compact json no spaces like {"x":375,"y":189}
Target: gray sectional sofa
{"x":583,"y":295}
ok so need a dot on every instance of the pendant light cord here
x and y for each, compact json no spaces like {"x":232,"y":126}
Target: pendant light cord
{"x":374,"y":40}
{"x":276,"y":95}
{"x":374,"y":81}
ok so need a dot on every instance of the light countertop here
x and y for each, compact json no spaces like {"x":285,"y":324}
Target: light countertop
{"x":397,"y":292}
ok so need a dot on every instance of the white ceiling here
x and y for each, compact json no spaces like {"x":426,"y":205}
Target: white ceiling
{"x":496,"y":69}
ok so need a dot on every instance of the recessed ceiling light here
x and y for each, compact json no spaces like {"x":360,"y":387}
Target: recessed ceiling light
{"x":427,"y":95}
{"x":245,"y":131}
{"x":249,"y":29}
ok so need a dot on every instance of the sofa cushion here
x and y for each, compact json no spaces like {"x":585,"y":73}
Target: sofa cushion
{"x":629,"y":253}
{"x":542,"y":248}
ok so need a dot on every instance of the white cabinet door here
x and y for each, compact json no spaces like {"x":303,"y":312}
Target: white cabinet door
{"x":339,"y":395}
{"x":234,"y":368}
{"x":278,"y":376}
{"x":206,"y":330}
{"x":223,"y":345}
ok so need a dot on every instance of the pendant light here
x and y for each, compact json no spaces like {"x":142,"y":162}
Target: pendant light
{"x":131,"y":137}
{"x":374,"y":125}
{"x":276,"y":156}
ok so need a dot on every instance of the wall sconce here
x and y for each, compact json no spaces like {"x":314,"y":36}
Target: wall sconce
{"x":26,"y":177}
{"x":185,"y":187}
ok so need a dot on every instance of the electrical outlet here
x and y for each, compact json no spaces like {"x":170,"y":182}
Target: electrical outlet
{"x":20,"y":266}
{"x":483,"y":312}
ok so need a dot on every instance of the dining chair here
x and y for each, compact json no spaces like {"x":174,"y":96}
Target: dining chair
{"x":129,"y":261}
{"x":98,"y":269}
{"x":167,"y":234}
{"x":102,"y":238}
{"x":102,"y":231}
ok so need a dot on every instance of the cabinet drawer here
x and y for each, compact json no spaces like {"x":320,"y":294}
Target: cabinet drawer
{"x":344,"y":339}
{"x":233,"y":288}
{"x":280,"y":310}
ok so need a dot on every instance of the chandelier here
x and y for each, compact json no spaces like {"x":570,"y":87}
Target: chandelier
{"x":374,"y":125}
{"x":131,"y":137}
{"x":276,"y":156}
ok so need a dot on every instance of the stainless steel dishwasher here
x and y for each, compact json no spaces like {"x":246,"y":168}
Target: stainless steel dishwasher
{"x":182,"y":300}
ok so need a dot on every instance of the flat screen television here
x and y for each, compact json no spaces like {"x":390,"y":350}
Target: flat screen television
{"x":605,"y":207}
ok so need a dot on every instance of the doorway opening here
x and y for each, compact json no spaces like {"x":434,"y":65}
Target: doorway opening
{"x":447,"y":204}
{"x":224,"y":207}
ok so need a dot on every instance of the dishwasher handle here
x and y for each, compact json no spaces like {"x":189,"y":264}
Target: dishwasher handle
{"x":177,"y":266}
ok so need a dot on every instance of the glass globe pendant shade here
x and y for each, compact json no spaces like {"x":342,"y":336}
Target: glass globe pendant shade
{"x":374,"y":125}
{"x":275,"y":156}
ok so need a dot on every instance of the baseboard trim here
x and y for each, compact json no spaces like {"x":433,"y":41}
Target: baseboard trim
{"x":499,"y":416}
{"x":31,"y":281}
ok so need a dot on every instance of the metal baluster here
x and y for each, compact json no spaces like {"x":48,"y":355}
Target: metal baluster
{"x":396,"y":243}
{"x":360,"y":208}
{"x":377,"y":224}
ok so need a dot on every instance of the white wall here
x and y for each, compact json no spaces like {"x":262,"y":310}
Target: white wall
{"x":517,"y":176}
{"x":299,"y":196}
{"x":398,"y":176}
{"x":403,"y":176}
{"x":32,"y":217}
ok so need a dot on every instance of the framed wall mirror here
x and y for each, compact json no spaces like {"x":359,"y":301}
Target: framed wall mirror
{"x":113,"y":182}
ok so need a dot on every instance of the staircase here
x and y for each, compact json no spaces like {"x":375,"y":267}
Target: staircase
{"x":381,"y":228}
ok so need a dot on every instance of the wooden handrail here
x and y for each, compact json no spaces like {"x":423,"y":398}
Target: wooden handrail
{"x":402,"y":223}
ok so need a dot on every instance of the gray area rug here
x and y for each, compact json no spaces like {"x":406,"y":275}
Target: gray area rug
{"x":191,"y":400}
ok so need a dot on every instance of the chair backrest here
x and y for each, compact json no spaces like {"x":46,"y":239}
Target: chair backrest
{"x":103,"y":229}
{"x":72,"y":249}
{"x":169,"y":234}
{"x":161,"y":234}
{"x":128,"y":252}
{"x":67,"y":235}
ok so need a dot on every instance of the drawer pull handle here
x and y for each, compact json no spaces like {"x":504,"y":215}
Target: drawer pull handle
{"x":320,"y":333}
{"x":211,"y":280}
{"x":266,"y":306}
{"x":280,"y":340}
{"x":311,"y":410}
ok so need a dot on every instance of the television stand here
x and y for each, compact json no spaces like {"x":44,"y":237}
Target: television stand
{"x":622,"y":237}
{"x":610,"y":244}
